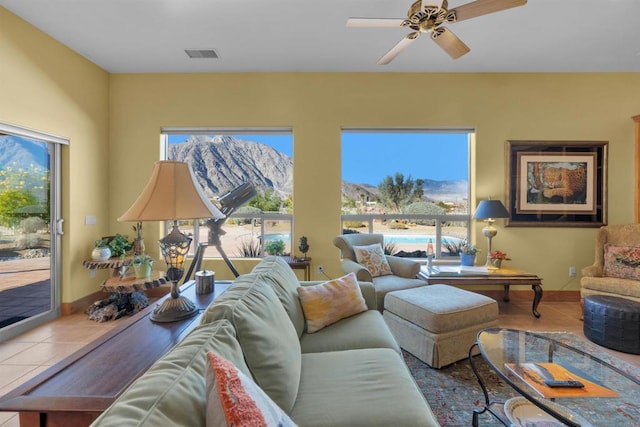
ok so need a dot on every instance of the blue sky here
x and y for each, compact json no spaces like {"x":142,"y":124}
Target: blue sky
{"x":368,"y":157}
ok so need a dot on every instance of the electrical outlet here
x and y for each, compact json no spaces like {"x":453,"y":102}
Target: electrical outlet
{"x":320,"y":269}
{"x":572,"y":271}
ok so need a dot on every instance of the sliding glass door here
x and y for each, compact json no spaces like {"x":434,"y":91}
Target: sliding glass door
{"x":30,"y":228}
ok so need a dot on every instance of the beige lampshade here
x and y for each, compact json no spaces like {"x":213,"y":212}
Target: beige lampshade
{"x":172,"y":193}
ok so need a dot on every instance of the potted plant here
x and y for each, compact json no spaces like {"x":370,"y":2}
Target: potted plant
{"x":142,"y":266}
{"x":468,"y":254}
{"x":119,"y":246}
{"x":101,"y":251}
{"x":496,"y":258}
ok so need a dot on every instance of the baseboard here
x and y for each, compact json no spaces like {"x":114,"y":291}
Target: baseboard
{"x":556,"y":296}
{"x":81,"y":305}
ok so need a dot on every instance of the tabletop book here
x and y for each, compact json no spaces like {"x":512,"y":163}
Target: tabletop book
{"x":535,"y":374}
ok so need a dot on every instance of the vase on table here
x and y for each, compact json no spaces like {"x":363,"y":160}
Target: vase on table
{"x":101,"y":254}
{"x":496,"y":263}
{"x":467,"y":260}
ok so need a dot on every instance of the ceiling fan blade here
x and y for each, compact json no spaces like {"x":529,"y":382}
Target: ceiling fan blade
{"x":398,"y":49}
{"x":374,"y":22}
{"x":449,"y":42}
{"x":484,"y":7}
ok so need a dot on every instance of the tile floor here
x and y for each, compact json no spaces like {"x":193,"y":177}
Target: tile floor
{"x":26,"y":355}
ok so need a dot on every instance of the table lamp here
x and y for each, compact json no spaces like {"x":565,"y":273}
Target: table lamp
{"x":172,"y":194}
{"x":489,"y":210}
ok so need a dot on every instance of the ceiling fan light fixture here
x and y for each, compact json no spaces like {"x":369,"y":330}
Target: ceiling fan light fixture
{"x":428,"y":16}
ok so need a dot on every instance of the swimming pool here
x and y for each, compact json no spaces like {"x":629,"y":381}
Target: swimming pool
{"x":417,"y":239}
{"x":412,"y":239}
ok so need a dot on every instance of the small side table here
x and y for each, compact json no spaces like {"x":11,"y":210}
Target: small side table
{"x":300,"y":264}
{"x":126,"y":295}
{"x":114,"y":263}
{"x":129,"y":284}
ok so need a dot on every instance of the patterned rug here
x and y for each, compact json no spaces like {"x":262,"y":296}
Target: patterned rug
{"x":453,"y":392}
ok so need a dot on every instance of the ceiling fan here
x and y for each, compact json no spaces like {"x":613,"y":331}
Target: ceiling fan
{"x":428,"y":16}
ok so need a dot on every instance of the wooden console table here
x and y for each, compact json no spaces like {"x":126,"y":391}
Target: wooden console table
{"x":503,"y":276}
{"x":75,"y":391}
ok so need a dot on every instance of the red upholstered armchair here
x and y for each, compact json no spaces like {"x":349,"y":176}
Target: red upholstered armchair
{"x":403,"y":270}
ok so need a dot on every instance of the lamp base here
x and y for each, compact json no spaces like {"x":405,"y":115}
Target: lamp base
{"x":174,"y":309}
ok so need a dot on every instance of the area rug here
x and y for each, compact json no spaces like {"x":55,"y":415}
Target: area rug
{"x":453,"y":392}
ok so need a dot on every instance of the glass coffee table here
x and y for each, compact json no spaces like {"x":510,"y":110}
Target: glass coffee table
{"x":591,"y":391}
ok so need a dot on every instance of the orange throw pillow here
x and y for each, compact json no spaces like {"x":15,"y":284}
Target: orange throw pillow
{"x":331,"y":301}
{"x":233,"y":399}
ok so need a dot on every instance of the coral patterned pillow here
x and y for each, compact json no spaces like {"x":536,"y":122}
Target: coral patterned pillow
{"x":233,"y":399}
{"x":373,"y":259}
{"x":622,"y":261}
{"x":331,"y":301}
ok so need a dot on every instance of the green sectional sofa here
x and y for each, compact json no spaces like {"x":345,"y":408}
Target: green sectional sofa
{"x":350,"y":373}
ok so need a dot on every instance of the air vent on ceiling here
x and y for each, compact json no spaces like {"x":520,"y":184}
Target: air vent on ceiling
{"x":202,"y":53}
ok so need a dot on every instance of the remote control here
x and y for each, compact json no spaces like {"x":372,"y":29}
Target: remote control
{"x":564,"y":383}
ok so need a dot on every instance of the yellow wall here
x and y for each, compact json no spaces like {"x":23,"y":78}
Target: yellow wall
{"x":113,"y":122}
{"x":317,"y":105}
{"x":47,"y":87}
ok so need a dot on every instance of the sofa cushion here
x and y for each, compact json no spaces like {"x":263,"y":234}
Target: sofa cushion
{"x":173,"y":391}
{"x":609,"y":285}
{"x":373,"y":258}
{"x":284,"y":282}
{"x":386,"y":284}
{"x":364,"y":330}
{"x":268,"y":339}
{"x":233,"y":399}
{"x":331,"y":301}
{"x":336,"y":387}
{"x":622,"y":261}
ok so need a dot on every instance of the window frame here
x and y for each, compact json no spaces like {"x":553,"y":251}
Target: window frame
{"x":439,"y":219}
{"x":165,"y":132}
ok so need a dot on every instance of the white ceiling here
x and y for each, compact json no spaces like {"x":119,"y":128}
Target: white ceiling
{"x":135,"y":36}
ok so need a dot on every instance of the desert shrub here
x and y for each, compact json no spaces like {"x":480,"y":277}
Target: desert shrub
{"x":349,"y":231}
{"x":244,"y":210}
{"x":397,"y":225}
{"x":354,"y":224}
{"x":424,"y":208}
{"x":28,"y":241}
{"x":453,"y":247}
{"x":32,"y":224}
{"x":274,"y":247}
{"x":389,"y":248}
{"x":250,"y":248}
{"x":267,"y":202}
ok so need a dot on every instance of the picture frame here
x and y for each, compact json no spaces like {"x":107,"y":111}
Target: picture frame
{"x":556,"y":183}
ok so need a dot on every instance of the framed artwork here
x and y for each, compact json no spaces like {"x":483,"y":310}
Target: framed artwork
{"x":557,"y":183}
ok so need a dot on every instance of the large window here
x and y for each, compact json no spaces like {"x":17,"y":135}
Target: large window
{"x":222,"y":160}
{"x":412,"y":186}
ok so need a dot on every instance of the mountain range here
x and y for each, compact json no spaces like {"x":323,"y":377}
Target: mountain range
{"x":223,"y":162}
{"x":22,"y":153}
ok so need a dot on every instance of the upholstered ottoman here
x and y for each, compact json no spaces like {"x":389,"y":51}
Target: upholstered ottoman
{"x":438,"y":323}
{"x":613,"y":322}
